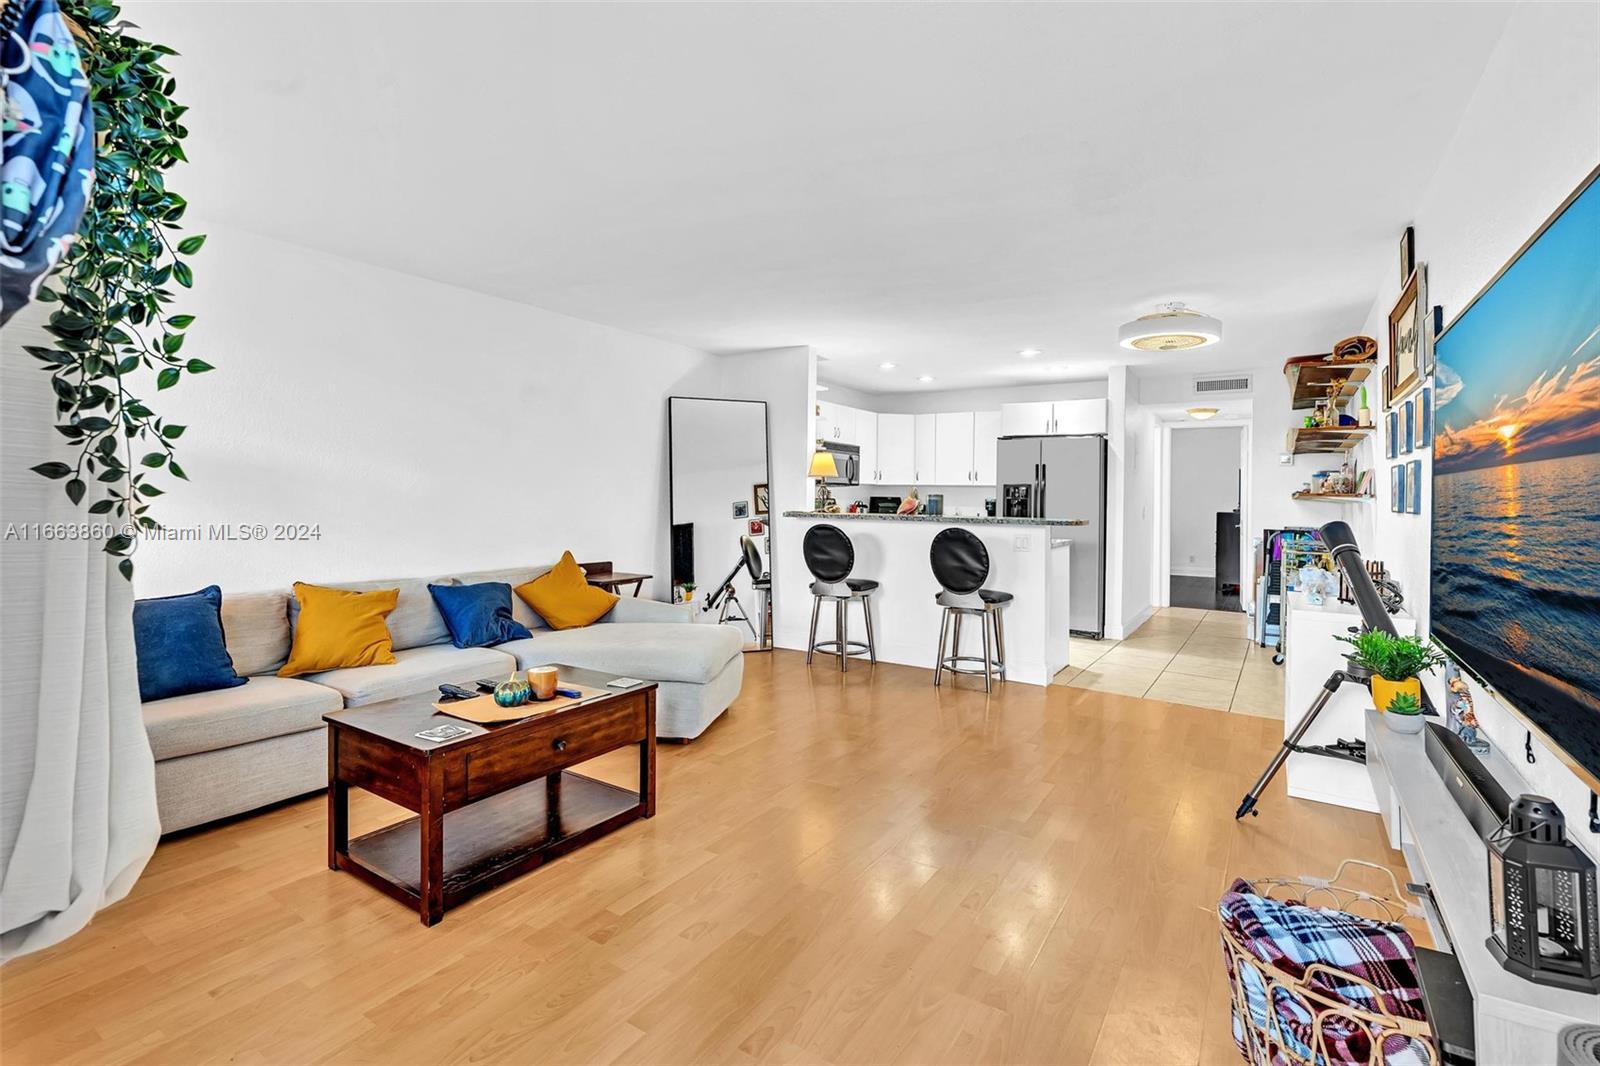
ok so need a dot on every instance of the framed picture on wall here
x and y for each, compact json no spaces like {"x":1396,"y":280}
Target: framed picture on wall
{"x":1405,"y":338}
{"x":1408,"y":253}
{"x":1394,"y":435}
{"x":741,"y":508}
{"x":758,"y":528}
{"x":1424,"y":438}
{"x":1397,"y":488}
{"x":1414,"y":487}
{"x":1407,"y":426}
{"x":759,"y":493}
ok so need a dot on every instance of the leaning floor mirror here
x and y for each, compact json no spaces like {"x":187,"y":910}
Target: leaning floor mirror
{"x":721,"y":513}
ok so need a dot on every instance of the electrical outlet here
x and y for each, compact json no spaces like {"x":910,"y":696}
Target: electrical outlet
{"x":1022,"y":544}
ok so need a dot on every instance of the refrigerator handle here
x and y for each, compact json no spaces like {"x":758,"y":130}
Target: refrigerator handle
{"x":1044,"y":480}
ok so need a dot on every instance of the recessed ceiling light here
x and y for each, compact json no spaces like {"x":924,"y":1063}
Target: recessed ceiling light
{"x":1030,"y":353}
{"x":1173,"y":328}
{"x":1203,"y":413}
{"x":822,"y":388}
{"x":925,"y":377}
{"x":885,"y":366}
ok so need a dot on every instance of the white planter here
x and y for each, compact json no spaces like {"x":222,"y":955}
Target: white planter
{"x":1403,"y":723}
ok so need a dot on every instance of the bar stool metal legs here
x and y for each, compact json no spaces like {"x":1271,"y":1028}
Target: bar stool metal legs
{"x":841,"y":646}
{"x":991,"y":664}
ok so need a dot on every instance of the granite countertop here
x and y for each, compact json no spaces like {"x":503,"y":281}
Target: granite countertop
{"x":975,"y":520}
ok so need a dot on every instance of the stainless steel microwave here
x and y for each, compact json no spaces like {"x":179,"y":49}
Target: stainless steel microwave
{"x":847,"y":457}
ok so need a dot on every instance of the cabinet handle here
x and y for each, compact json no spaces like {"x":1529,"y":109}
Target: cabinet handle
{"x":560,"y":744}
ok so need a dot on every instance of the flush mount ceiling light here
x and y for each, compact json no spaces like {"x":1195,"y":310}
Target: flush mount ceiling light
{"x":1203,"y":413}
{"x":1030,"y":353}
{"x":1174,"y":328}
{"x":885,"y":366}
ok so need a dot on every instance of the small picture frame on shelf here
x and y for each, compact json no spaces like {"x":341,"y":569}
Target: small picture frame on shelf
{"x":1424,"y":438}
{"x":1407,"y":426}
{"x":1393,"y":443}
{"x":1397,"y":488}
{"x":1414,"y":487}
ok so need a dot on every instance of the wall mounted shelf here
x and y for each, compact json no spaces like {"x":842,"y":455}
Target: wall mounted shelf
{"x":1310,"y":383}
{"x":1324,"y":440}
{"x":1340,"y":496}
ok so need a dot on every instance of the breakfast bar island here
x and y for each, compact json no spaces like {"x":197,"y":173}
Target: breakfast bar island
{"x":1028,"y":557}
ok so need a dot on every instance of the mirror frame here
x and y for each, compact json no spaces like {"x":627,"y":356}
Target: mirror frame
{"x":767,"y":643}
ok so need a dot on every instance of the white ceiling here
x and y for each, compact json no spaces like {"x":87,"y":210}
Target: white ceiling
{"x":932,"y":185}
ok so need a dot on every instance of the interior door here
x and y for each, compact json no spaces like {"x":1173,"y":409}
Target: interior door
{"x":953,"y":448}
{"x":924,"y":440}
{"x":897,"y":449}
{"x":985,"y":430}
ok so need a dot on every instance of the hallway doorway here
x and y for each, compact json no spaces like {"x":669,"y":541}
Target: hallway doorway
{"x":1205,"y":501}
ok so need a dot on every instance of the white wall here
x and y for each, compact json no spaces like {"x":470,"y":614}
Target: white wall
{"x":420,"y":428}
{"x":1527,"y":138}
{"x":787,"y":379}
{"x":1205,"y":480}
{"x":920,"y":402}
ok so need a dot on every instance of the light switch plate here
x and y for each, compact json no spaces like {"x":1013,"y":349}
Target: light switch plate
{"x":1285,"y":458}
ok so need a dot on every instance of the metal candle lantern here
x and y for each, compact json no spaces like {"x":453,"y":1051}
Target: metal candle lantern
{"x":1543,"y":912}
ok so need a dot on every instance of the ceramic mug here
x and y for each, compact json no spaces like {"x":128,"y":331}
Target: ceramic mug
{"x":542,"y":680}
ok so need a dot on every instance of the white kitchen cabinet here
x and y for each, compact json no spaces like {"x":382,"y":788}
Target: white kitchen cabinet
{"x":865,"y":424}
{"x":952,"y":462}
{"x":925,"y":438}
{"x":1026,"y":419}
{"x":1058,"y":418}
{"x":985,"y":433}
{"x":828,"y":420}
{"x":897,"y":449}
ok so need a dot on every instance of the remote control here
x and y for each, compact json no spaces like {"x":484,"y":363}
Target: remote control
{"x":485,"y":685}
{"x":456,"y":692}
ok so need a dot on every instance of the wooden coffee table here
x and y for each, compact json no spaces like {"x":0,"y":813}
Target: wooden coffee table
{"x":490,"y":806}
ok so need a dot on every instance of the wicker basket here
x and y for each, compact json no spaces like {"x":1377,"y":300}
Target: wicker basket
{"x":1393,"y":1039}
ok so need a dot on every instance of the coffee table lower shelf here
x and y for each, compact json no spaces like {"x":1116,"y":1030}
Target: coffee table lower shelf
{"x":489,"y":842}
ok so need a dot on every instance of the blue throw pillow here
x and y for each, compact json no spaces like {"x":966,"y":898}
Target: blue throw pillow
{"x":478,"y":615}
{"x":180,"y":647}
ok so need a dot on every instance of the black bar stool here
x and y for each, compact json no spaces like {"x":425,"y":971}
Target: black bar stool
{"x":830,"y":557}
{"x":961,"y":565}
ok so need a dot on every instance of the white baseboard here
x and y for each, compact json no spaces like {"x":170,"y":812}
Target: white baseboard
{"x":1194,"y":571}
{"x":1130,"y":625}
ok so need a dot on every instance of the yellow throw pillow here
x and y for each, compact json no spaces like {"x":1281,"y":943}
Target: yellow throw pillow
{"x":564,"y":598}
{"x":338,"y":628}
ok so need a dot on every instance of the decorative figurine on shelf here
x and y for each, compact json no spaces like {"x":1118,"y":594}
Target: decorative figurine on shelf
{"x":1317,"y":584}
{"x":910,"y":504}
{"x":1364,"y":413}
{"x":1460,"y":718}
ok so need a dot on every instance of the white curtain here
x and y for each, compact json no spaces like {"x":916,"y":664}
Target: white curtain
{"x":78,"y":815}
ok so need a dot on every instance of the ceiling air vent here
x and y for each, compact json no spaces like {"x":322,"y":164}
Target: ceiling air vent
{"x":1222,"y":386}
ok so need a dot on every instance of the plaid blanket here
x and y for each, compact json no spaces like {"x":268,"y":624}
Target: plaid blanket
{"x":1293,"y":936}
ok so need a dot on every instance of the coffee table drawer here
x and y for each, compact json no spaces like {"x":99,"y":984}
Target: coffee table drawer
{"x":545,"y":747}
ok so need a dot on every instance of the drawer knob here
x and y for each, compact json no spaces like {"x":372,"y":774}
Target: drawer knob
{"x":560,"y":744}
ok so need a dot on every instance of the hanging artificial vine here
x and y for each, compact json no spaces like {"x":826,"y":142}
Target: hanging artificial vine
{"x":115,"y":324}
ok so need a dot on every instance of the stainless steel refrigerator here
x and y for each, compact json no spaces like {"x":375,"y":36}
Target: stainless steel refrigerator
{"x":1063,"y":479}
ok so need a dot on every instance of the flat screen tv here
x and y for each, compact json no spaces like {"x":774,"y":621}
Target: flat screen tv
{"x":1516,"y":483}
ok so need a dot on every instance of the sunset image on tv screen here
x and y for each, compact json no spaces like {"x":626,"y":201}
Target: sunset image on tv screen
{"x":1516,"y":483}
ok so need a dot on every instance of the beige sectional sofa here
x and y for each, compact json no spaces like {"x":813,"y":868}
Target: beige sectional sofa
{"x":232,"y":750}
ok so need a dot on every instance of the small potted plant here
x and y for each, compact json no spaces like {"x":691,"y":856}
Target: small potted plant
{"x":1395,"y":663}
{"x":1404,"y":713}
{"x":688,"y":591}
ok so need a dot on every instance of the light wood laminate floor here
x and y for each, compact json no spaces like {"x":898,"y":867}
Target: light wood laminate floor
{"x":845,"y":869}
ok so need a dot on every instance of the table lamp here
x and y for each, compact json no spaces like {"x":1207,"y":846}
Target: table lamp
{"x":823,"y":466}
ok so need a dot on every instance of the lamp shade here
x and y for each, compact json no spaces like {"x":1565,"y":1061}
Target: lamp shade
{"x":822,"y":464}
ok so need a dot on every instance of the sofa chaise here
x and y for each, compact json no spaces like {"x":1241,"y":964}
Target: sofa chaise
{"x":231,"y":750}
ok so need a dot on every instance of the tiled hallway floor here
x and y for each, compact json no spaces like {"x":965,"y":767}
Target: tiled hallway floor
{"x":1183,"y":655}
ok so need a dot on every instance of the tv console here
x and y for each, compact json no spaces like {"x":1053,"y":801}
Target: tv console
{"x":1514,"y":1021}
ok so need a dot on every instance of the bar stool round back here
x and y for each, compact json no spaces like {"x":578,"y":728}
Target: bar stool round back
{"x":830,"y":557}
{"x":761,"y":583}
{"x":961,"y":565}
